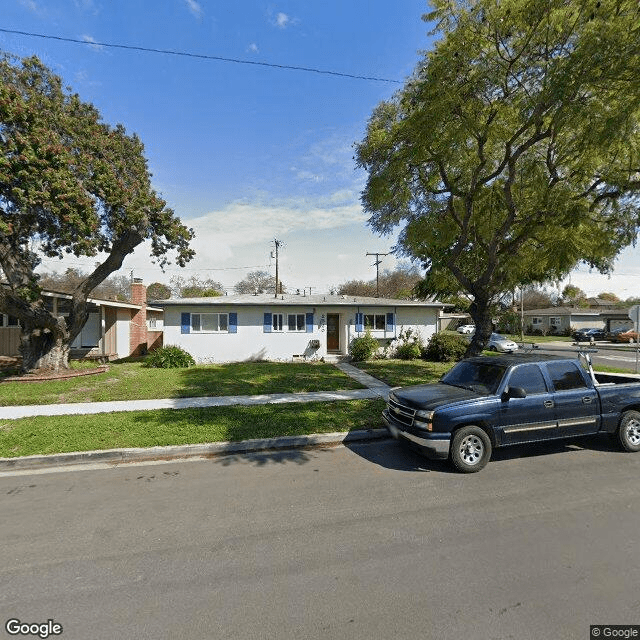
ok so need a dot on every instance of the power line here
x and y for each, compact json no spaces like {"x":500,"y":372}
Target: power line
{"x":200,"y":56}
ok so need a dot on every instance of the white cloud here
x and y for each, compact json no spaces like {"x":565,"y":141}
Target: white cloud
{"x":244,"y":223}
{"x":282,"y":20}
{"x":31,"y":5}
{"x":87,"y":5}
{"x":94,"y":45}
{"x":194,"y":7}
{"x":253,"y":48}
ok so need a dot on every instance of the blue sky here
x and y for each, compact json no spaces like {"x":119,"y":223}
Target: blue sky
{"x":247,"y":153}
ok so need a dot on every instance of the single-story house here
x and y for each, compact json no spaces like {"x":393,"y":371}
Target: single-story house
{"x":559,"y":319}
{"x":113,"y":329}
{"x":617,"y":319}
{"x":287,"y":327}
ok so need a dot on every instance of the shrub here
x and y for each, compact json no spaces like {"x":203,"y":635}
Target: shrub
{"x":408,"y":351}
{"x":169,"y":357}
{"x":409,"y":345}
{"x":445,"y":347}
{"x":364,"y":347}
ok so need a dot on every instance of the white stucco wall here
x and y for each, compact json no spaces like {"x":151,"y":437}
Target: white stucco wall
{"x":123,"y":319}
{"x":251,"y":342}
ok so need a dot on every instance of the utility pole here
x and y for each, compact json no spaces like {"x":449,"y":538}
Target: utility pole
{"x":377,"y":263}
{"x":277,"y":243}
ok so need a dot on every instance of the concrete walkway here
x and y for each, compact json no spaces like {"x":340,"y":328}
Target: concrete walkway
{"x":375,"y":389}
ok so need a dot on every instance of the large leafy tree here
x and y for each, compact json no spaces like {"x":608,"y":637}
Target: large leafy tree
{"x":196,"y":287}
{"x":258,"y":282}
{"x":69,"y":185}
{"x":399,"y":283}
{"x":513,"y":152}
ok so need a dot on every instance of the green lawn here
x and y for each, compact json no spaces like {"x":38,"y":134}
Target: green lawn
{"x":402,"y":373}
{"x":60,"y":434}
{"x":132,"y":381}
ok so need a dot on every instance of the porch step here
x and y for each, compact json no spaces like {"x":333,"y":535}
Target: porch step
{"x":332,"y":358}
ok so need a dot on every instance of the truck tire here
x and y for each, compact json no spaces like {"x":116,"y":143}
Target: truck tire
{"x":629,"y":431}
{"x":471,"y":449}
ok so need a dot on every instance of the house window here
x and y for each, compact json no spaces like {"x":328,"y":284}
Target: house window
{"x":8,"y":321}
{"x":295,"y":322}
{"x":210,"y":322}
{"x":375,"y":321}
{"x":276,"y":321}
{"x":555,"y":321}
{"x":536,"y":320}
{"x":152,"y":323}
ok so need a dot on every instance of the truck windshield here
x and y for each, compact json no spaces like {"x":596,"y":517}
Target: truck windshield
{"x":481,"y":377}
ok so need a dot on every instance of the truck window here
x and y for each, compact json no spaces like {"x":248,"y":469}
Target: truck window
{"x":481,"y":377}
{"x":530,"y":378}
{"x":566,"y":376}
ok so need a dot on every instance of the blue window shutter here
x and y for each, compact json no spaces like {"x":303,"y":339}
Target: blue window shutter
{"x":233,"y":323}
{"x":359,"y":321}
{"x":309,"y":322}
{"x":185,"y":323}
{"x":391,"y":325}
{"x":267,"y":323}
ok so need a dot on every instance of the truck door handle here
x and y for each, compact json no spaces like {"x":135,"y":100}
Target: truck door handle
{"x":548,"y":404}
{"x":587,"y":400}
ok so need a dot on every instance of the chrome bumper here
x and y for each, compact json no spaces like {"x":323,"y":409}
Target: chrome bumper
{"x":436,"y":446}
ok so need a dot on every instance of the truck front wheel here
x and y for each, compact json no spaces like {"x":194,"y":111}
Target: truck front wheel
{"x":470,"y":449}
{"x":629,"y":431}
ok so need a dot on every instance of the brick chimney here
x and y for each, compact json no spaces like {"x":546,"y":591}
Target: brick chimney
{"x":138,"y":331}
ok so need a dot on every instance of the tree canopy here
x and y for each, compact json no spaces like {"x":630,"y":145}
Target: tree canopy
{"x":70,"y":184}
{"x":258,"y":282}
{"x":513,"y":152}
{"x":399,"y":283}
{"x":196,"y":287}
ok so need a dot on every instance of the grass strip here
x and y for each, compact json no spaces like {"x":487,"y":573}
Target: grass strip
{"x":402,"y":373}
{"x":132,"y":381}
{"x":64,"y":434}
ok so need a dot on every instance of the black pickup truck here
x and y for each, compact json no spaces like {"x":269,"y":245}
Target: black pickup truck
{"x":494,"y":401}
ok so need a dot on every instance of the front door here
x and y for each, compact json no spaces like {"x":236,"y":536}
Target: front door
{"x":333,"y":332}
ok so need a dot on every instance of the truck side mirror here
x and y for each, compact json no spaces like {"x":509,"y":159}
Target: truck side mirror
{"x":513,"y":392}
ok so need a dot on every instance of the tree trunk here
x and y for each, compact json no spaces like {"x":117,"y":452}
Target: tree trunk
{"x":481,"y":314}
{"x":44,"y":350}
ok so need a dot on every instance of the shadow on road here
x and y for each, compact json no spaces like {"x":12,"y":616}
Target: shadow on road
{"x":263,"y":458}
{"x":398,"y":456}
{"x":392,"y":454}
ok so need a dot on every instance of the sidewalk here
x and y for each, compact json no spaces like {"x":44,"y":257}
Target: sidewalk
{"x":375,"y":389}
{"x":28,"y":464}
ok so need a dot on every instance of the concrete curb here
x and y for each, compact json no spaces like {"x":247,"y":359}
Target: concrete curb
{"x":214,"y":449}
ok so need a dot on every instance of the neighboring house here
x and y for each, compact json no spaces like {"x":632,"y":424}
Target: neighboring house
{"x":451,"y":321}
{"x":616,"y":319}
{"x":559,"y":319}
{"x":112,"y":330}
{"x":288,"y":327}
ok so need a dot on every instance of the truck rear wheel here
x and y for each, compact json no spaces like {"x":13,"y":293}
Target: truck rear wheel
{"x":470,"y":449}
{"x":629,"y":431}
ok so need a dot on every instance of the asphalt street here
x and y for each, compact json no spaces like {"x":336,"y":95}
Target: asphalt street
{"x":365,"y":541}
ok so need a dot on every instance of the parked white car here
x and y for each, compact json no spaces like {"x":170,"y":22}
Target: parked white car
{"x":500,"y":343}
{"x":467,"y":328}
